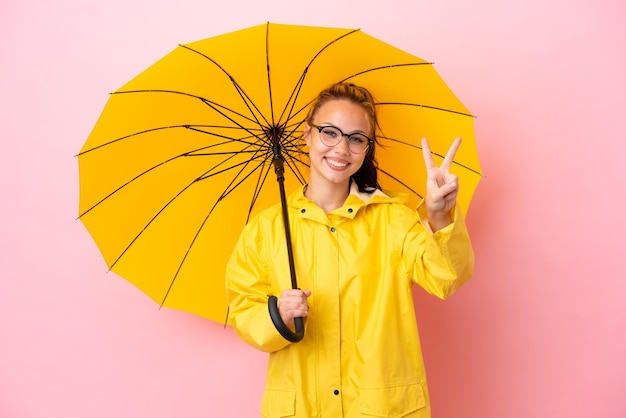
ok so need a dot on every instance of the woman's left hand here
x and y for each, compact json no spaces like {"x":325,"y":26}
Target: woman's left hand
{"x":442,"y":187}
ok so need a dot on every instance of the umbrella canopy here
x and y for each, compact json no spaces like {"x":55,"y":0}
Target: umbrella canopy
{"x":181,"y":156}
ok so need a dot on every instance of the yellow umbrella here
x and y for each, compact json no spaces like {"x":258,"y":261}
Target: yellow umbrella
{"x":182,"y":155}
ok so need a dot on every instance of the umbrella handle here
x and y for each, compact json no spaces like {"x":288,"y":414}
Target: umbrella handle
{"x":272,"y":304}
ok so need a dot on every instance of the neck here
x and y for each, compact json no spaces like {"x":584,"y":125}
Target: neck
{"x":328,"y":198}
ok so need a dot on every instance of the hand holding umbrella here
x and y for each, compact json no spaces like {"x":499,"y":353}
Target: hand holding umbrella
{"x":442,"y":187}
{"x":293,"y":304}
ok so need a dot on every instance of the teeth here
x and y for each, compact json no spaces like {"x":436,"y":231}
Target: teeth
{"x":336,"y":163}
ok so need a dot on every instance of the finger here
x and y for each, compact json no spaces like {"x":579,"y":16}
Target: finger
{"x":447,"y":161}
{"x":452,"y":189}
{"x":443,"y":193}
{"x":296,"y":311}
{"x":290,"y":304}
{"x":294,"y":299}
{"x":292,"y":293}
{"x":428,"y":158}
{"x":290,"y":310}
{"x":293,"y":303}
{"x":440,"y":193}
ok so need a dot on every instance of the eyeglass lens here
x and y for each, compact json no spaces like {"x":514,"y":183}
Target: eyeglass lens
{"x":331,"y":136}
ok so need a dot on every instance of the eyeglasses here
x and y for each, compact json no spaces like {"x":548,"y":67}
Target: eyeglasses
{"x":331,"y":136}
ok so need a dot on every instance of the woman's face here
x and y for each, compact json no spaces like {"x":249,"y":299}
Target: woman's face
{"x":335,"y":165}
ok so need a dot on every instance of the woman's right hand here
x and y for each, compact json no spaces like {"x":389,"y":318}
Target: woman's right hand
{"x":293,"y":304}
{"x":442,"y":187}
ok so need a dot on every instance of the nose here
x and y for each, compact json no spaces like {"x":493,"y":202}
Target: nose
{"x":343,"y":145}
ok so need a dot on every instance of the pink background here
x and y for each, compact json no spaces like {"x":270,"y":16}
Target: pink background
{"x":540,"y":331}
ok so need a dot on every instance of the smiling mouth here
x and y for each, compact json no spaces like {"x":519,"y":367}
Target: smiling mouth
{"x":336,"y":163}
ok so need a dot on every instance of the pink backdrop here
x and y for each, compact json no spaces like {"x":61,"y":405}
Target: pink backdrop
{"x":541,"y":330}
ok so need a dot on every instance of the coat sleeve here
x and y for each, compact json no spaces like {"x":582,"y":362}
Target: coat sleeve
{"x":439,"y":262}
{"x":248,"y":287}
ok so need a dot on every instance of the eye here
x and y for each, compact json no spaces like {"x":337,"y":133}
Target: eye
{"x":357,"y":138}
{"x":330,"y":132}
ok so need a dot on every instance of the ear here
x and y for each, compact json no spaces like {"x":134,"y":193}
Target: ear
{"x":306,"y":134}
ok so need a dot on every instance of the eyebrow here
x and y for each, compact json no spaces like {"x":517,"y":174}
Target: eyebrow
{"x":347,"y":133}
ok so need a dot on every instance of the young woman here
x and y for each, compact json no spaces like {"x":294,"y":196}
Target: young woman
{"x":358,"y":251}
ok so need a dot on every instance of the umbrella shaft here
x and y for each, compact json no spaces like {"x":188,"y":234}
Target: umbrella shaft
{"x":279,"y":169}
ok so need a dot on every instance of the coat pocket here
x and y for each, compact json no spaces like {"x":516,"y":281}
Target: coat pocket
{"x":392,"y":402}
{"x":278,"y":403}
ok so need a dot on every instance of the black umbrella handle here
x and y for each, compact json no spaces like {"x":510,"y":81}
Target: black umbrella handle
{"x":272,"y":302}
{"x":288,"y":334}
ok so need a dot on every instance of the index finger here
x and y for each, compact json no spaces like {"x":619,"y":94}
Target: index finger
{"x":428,"y":157}
{"x":447,"y":161}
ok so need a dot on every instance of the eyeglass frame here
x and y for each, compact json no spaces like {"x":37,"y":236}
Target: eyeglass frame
{"x":319,"y":128}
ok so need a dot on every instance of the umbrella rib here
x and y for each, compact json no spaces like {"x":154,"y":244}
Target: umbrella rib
{"x":229,"y":189}
{"x":294,"y":169}
{"x":213,"y":105}
{"x":443,"y":109}
{"x":138,"y":176}
{"x":400,"y":181}
{"x":190,"y":127}
{"x":267,"y":66}
{"x":263,"y":174}
{"x":209,"y":173}
{"x":386,"y":67}
{"x":232,"y":186}
{"x":244,"y":96}
{"x":293,"y":97}
{"x":408,"y":144}
{"x":178,"y":194}
{"x":191,"y":153}
{"x":291,"y":102}
{"x":306,"y":105}
{"x":292,"y":157}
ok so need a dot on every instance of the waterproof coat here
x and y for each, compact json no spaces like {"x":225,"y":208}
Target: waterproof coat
{"x":360,"y":356}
